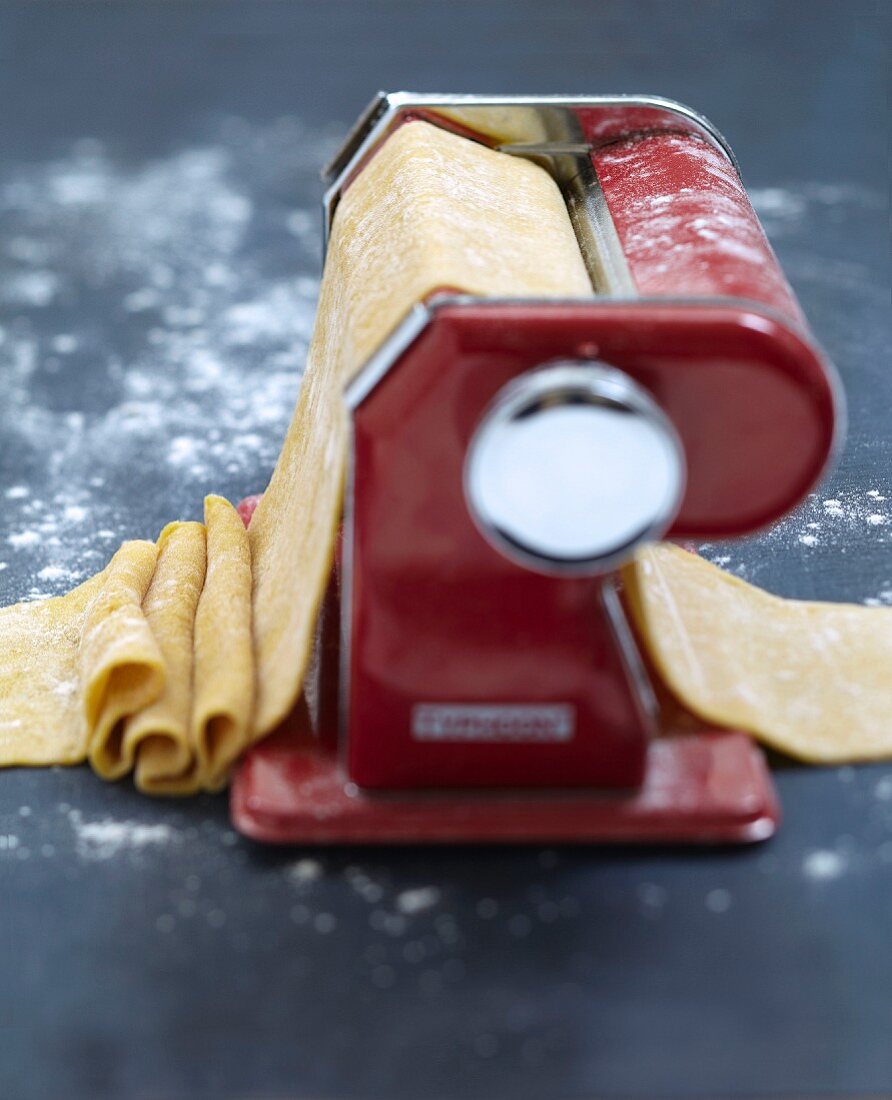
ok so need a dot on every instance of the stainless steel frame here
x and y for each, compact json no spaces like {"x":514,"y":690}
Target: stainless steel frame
{"x":541,"y":127}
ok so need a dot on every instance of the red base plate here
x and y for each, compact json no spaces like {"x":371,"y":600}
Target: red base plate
{"x":703,"y":789}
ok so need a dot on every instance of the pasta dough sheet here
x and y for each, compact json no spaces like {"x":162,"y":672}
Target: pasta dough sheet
{"x":813,"y":680}
{"x":431,"y":210}
{"x":41,"y":720}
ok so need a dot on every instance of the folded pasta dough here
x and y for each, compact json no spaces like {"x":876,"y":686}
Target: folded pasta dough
{"x":121,"y":667}
{"x":224,"y":658}
{"x":430,"y":211}
{"x":159,"y":737}
{"x":813,"y":680}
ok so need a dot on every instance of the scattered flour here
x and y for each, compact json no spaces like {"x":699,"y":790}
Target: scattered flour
{"x":882,"y":599}
{"x":837,"y":517}
{"x":154,"y":322}
{"x":364,"y":885}
{"x":718,"y":901}
{"x":883,"y":789}
{"x":822,"y":524}
{"x":417,"y":900}
{"x":823,"y":864}
{"x":23,"y":539}
{"x":784,"y":210}
{"x":55,"y":573}
{"x":105,"y":839}
{"x":304,"y":871}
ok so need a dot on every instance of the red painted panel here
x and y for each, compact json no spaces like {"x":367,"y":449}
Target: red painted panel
{"x":438,"y":617}
{"x":701,"y":789}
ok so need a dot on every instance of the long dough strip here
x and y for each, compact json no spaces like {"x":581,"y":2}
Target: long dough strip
{"x":431,"y":210}
{"x":811,"y":679}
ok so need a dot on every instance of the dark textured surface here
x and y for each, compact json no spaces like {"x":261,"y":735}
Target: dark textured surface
{"x":145,"y":950}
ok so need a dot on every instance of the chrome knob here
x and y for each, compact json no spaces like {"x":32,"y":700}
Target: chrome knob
{"x":571,"y":467}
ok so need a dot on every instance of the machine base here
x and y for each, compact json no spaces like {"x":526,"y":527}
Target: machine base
{"x":710,"y":788}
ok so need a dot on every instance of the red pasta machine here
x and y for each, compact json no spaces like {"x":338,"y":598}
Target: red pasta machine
{"x":480,"y":680}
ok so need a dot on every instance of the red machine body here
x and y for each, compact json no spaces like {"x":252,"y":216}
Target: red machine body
{"x":479,"y":698}
{"x":438,"y":618}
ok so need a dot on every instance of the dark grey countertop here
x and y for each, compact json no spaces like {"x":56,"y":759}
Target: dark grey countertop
{"x":159,"y":257}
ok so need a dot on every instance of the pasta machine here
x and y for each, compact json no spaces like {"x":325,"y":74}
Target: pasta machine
{"x":478,"y":678}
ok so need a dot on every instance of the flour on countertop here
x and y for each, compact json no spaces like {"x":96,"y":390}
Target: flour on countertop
{"x":781,"y":209}
{"x":824,"y":522}
{"x":153,"y":327}
{"x":104,"y":839}
{"x":847,"y":305}
{"x":822,"y":865}
{"x":304,"y":871}
{"x":417,"y":900}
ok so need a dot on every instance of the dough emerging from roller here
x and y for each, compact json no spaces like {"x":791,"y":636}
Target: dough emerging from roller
{"x":179,"y":654}
{"x":813,"y":680}
{"x":431,"y":211}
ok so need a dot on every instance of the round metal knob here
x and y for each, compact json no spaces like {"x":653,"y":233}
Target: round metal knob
{"x":571,"y":467}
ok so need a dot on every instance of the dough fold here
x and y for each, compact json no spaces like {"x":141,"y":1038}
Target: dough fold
{"x":224,"y":659}
{"x":159,"y":736}
{"x":121,"y":667}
